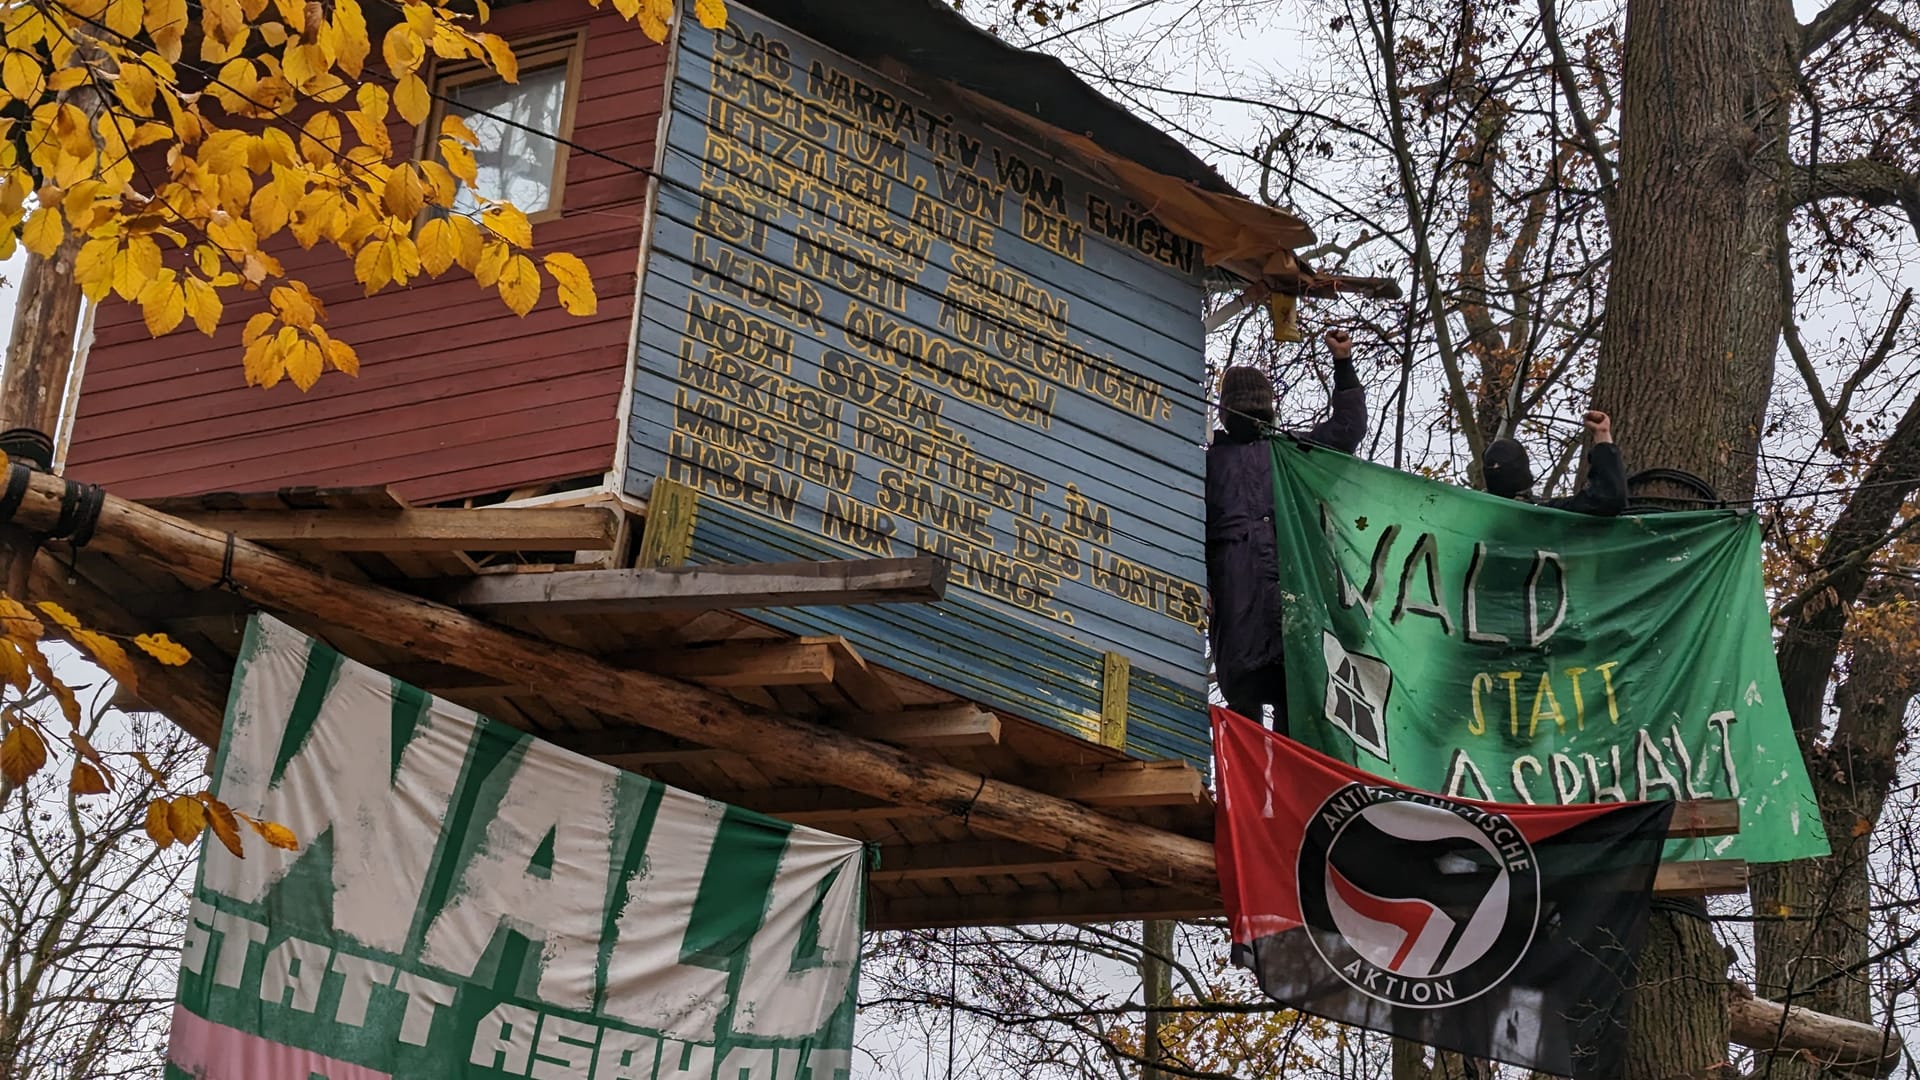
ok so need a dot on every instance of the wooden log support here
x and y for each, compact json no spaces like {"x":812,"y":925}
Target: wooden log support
{"x":1038,"y":906}
{"x":937,"y":728}
{"x":920,"y":862}
{"x":758,"y":663}
{"x":1831,"y":1041}
{"x":1126,"y":783}
{"x":501,"y":528}
{"x":704,"y":588}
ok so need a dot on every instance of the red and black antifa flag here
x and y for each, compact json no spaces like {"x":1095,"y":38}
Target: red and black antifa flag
{"x":1501,"y":932}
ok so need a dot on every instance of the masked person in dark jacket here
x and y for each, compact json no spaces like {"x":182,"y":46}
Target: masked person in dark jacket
{"x":1509,"y":475}
{"x":1242,"y":555}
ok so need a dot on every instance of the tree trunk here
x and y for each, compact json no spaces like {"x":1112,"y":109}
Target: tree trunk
{"x":33,"y":386}
{"x":1156,"y":987}
{"x":1686,"y":363}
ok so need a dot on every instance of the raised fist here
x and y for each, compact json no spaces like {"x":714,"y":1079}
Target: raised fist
{"x":1341,"y":344}
{"x":1599,"y":424}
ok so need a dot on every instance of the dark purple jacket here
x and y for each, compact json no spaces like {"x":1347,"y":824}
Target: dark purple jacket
{"x":1242,"y":562}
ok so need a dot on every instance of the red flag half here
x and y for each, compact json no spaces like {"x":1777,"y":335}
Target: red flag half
{"x":1501,"y":932}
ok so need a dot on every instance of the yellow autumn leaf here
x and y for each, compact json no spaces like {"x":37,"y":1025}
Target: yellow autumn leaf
{"x":469,"y":244}
{"x":85,"y":749}
{"x":456,"y":128}
{"x":185,"y":818}
{"x":21,"y":74}
{"x":203,"y":306}
{"x":435,"y":242}
{"x":93,"y":267}
{"x":146,"y":765}
{"x":109,"y":655}
{"x":163,"y":648}
{"x":711,"y":13}
{"x":573,"y":282}
{"x":350,"y":26}
{"x":17,"y":623}
{"x":403,"y":50}
{"x":501,"y":56}
{"x":13,"y":667}
{"x":225,"y":826}
{"x":163,"y":304}
{"x":294,"y":306}
{"x":135,"y":88}
{"x":22,"y":753}
{"x":493,"y":259}
{"x":304,"y":363}
{"x":652,"y":16}
{"x":167,"y":25}
{"x":373,"y":267}
{"x":87,"y":780}
{"x":123,"y":17}
{"x":274,"y":833}
{"x":158,"y":830}
{"x":411,"y":98}
{"x":61,"y":616}
{"x":402,"y":195}
{"x":509,"y":224}
{"x":341,"y":356}
{"x":520,"y":285}
{"x":459,"y":159}
{"x":43,"y":231}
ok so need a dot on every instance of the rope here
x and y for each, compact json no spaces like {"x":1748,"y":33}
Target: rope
{"x":18,"y":477}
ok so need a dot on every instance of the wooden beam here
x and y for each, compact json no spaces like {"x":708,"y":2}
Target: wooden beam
{"x":757,"y":663}
{"x":704,"y":588}
{"x":928,"y":862}
{"x":1125,"y":783}
{"x":1709,"y":877}
{"x":1116,"y":675}
{"x":820,"y":807}
{"x":1036,"y":906}
{"x":941,"y":727}
{"x":493,"y":528}
{"x":1832,"y":1042}
{"x":1705,"y":817}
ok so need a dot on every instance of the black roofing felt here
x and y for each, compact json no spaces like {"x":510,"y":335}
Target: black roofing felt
{"x":930,"y":37}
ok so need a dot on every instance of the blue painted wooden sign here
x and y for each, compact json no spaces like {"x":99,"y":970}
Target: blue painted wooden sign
{"x":871,"y":327}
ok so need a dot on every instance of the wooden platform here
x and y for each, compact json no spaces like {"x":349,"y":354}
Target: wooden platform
{"x":529,"y":568}
{"x":564,"y":575}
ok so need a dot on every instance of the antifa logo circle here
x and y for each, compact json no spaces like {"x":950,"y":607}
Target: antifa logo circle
{"x":1414,"y":900}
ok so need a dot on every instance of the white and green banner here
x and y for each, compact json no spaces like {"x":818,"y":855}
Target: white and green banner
{"x":469,"y":901}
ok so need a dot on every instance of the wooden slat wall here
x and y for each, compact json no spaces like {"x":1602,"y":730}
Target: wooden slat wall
{"x":456,"y":396}
{"x":810,"y":392}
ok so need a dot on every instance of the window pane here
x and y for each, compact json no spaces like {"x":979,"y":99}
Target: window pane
{"x":515,"y":164}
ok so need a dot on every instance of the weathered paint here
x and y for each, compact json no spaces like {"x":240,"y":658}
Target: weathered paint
{"x":869,"y":327}
{"x":456,"y":395}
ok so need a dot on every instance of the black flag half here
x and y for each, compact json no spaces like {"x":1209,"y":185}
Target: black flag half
{"x":1500,"y":932}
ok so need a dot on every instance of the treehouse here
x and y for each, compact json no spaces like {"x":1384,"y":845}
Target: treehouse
{"x":889,"y":424}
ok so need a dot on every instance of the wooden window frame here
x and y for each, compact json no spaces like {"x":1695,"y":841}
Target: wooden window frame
{"x":534,"y":53}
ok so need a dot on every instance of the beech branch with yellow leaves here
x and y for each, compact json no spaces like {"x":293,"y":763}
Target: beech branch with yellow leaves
{"x":27,"y":679}
{"x":171,"y":175}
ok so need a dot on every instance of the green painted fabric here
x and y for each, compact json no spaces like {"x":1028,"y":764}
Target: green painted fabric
{"x":472,"y":902}
{"x":1491,"y":649}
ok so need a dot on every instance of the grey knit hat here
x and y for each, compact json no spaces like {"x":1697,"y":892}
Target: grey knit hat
{"x":1246,"y":392}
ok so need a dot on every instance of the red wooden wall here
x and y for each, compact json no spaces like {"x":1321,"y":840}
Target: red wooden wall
{"x":456,"y":395}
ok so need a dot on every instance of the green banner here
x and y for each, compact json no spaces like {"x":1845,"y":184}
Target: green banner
{"x":1490,"y":649}
{"x":469,"y":901}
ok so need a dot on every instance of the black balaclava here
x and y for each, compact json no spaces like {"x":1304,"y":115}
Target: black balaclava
{"x":1506,"y":468}
{"x":1246,"y":399}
